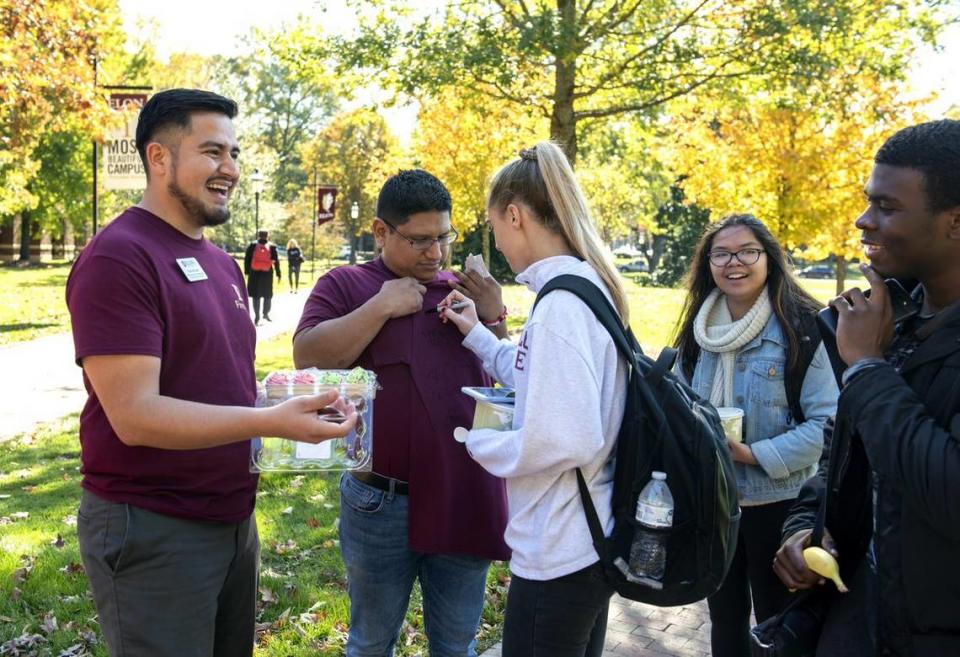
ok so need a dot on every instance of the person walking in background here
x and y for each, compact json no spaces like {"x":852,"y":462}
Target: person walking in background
{"x":258,"y":261}
{"x":744,"y":328}
{"x":294,"y":260}
{"x":570,"y":386}
{"x":166,"y":527}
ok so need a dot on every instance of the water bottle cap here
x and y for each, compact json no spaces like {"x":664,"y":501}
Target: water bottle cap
{"x":661,"y":476}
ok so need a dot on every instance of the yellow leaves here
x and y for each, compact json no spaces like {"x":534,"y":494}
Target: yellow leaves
{"x":463,"y":138}
{"x":47,"y":79}
{"x":799,"y":166}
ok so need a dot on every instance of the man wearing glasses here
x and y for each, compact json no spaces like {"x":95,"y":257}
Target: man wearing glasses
{"x":427,"y":510}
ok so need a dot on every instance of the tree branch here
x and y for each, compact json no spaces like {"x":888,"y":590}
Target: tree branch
{"x":618,"y":70}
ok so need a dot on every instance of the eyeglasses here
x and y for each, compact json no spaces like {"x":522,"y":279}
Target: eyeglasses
{"x":425,"y":243}
{"x":745,"y":256}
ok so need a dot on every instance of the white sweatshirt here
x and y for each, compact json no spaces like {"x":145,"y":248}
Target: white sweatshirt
{"x":570,"y":394}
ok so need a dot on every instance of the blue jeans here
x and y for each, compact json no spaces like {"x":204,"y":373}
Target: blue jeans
{"x":381,"y":570}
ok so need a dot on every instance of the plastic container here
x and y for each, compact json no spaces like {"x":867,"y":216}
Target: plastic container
{"x":731,"y":418}
{"x":352,"y":452}
{"x":494,"y":407}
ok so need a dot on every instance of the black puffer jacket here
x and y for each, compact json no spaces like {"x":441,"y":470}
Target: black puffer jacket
{"x":900,"y":434}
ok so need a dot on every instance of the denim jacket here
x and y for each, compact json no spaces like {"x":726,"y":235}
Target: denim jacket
{"x":787,"y":453}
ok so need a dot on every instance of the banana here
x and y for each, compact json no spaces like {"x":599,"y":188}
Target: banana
{"x":823,"y":563}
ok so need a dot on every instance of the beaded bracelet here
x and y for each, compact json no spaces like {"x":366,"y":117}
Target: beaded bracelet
{"x":499,"y":320}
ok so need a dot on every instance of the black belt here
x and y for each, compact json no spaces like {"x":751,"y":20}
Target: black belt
{"x":381,"y":482}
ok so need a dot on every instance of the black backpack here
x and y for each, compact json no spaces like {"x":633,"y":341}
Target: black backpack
{"x":666,"y":427}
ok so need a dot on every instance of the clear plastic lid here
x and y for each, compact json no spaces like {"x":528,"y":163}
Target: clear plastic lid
{"x":310,"y":381}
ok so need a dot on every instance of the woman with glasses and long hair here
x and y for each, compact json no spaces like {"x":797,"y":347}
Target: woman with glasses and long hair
{"x":740,"y":339}
{"x":570,"y":384}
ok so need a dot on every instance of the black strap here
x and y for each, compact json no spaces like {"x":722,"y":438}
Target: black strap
{"x":591,"y":295}
{"x":595,"y":299}
{"x":808,"y":338}
{"x":593,"y":520}
{"x":664,"y":364}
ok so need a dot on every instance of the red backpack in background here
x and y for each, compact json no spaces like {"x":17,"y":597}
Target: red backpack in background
{"x":261,"y":260}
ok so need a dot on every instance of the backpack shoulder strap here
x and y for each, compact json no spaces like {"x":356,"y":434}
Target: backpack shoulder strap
{"x":594,"y":298}
{"x":809,"y":338}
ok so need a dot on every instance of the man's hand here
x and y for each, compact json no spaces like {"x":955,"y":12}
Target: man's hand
{"x":790,"y":566}
{"x":300,"y":418}
{"x":485,"y":292}
{"x":865,"y":325}
{"x":401,"y":297}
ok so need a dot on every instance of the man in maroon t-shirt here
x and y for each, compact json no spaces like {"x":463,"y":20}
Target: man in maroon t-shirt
{"x":427,"y":511}
{"x":162,"y":331}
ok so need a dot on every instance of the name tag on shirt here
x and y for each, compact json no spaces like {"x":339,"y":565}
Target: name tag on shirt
{"x":191,"y":269}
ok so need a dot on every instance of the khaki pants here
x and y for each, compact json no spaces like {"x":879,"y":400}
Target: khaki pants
{"x":168,"y":587}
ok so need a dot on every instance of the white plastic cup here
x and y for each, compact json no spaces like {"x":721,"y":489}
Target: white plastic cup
{"x":731,"y":418}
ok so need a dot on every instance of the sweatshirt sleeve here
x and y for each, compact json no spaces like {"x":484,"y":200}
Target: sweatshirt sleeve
{"x":497,"y":355}
{"x":562,"y":427}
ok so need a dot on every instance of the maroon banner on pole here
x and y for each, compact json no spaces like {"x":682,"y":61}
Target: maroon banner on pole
{"x":326,"y":203}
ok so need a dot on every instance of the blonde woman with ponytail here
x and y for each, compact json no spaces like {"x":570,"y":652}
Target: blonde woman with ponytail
{"x":570,"y":386}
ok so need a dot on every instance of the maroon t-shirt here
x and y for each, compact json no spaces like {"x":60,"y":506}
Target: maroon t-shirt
{"x":128,"y":296}
{"x":455,"y":506}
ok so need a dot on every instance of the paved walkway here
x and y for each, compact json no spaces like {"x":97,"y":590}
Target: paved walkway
{"x":41,"y":383}
{"x":639,"y":630}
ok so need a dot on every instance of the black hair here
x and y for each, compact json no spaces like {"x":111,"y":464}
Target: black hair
{"x":933,"y":149}
{"x":409,"y":192}
{"x":173,"y":107}
{"x":787,"y":298}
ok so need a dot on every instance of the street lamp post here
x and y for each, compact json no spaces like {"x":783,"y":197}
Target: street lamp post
{"x":257,"y":180}
{"x":354,"y":214}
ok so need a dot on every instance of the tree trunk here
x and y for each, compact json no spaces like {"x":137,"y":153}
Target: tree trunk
{"x":841,"y":274}
{"x":25,"y":236}
{"x":563,"y":122}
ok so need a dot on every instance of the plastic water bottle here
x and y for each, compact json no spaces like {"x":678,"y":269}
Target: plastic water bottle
{"x":648,"y":552}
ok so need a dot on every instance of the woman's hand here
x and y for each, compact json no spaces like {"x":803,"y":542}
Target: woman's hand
{"x":741,"y":453}
{"x":465,"y":318}
{"x":485,"y":292}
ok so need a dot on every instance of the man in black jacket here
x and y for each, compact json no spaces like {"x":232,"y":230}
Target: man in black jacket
{"x":892,"y":476}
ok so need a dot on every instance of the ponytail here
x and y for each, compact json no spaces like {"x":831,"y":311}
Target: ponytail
{"x":543,"y":179}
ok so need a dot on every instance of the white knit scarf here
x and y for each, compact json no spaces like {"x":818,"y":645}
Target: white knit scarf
{"x":715,"y":331}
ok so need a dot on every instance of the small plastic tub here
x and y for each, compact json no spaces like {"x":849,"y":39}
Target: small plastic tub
{"x":494,"y":408}
{"x":352,"y":452}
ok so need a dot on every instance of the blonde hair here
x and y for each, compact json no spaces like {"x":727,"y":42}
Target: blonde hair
{"x":542,"y":179}
{"x":292,"y":244}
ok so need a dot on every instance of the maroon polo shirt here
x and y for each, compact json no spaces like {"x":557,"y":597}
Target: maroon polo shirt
{"x":455,"y":506}
{"x":127,"y":295}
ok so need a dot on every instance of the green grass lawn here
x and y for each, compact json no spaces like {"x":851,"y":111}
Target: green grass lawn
{"x":303,"y":605}
{"x":303,"y":602}
{"x":32,"y":302}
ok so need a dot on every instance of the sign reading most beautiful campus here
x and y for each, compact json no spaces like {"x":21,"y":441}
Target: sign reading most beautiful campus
{"x":122,"y":168}
{"x":326,"y":203}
